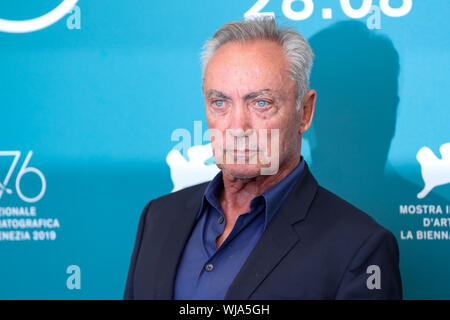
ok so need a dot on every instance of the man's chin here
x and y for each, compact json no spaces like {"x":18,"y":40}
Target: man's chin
{"x":242,"y":171}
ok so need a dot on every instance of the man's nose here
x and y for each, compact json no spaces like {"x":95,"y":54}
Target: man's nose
{"x":240,"y":122}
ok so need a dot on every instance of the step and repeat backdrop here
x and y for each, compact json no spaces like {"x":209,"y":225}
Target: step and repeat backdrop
{"x":101,"y":110}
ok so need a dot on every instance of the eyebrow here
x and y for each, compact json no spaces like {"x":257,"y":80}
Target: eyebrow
{"x":217,"y":94}
{"x":250,"y":95}
{"x":255,"y":94}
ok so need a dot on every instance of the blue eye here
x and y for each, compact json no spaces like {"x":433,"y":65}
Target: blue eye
{"x":219,"y":103}
{"x":261,"y":103}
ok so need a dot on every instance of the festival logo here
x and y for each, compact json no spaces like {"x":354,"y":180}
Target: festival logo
{"x":35,"y":24}
{"x":20,"y":221}
{"x":185,"y":173}
{"x":435,"y":171}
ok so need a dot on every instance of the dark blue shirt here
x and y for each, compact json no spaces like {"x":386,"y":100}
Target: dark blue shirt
{"x":205,"y":271}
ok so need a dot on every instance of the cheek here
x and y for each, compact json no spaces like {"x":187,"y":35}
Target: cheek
{"x":209,"y":121}
{"x":288,"y":136}
{"x":216,"y":135}
{"x":209,"y":115}
{"x":275,"y":121}
{"x":213,"y":122}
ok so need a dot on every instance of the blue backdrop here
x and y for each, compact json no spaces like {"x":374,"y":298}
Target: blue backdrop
{"x":88,"y":105}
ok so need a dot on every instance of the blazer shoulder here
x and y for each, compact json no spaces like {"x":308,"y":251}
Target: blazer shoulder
{"x":342,"y":216}
{"x":183,"y":194}
{"x":178,"y":200}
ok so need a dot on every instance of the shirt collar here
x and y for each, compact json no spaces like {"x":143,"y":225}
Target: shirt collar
{"x":212,"y":192}
{"x":274,"y":197}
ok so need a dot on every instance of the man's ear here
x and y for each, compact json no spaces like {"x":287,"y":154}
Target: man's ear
{"x":307,"y":110}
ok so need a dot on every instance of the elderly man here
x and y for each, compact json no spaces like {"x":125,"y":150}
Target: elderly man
{"x":262,"y":228}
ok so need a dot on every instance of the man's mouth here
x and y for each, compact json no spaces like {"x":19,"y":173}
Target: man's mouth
{"x":241,"y":152}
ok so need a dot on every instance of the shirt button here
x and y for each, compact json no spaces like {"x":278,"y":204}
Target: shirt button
{"x":209,"y":267}
{"x":220,"y":220}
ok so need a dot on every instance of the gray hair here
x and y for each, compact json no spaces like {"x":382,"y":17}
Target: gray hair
{"x":295,"y":46}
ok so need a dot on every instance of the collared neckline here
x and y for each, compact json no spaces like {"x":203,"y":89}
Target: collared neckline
{"x":274,"y":197}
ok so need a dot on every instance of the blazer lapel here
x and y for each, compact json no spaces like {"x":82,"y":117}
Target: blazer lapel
{"x":182,"y":223}
{"x":278,"y":239}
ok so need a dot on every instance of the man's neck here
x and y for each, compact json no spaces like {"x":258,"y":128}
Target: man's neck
{"x":237,"y":193}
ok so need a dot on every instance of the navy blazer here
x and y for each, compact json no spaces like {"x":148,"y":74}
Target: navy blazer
{"x":317,"y":246}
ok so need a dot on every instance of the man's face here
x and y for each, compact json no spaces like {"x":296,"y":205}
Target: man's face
{"x":247,"y":87}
